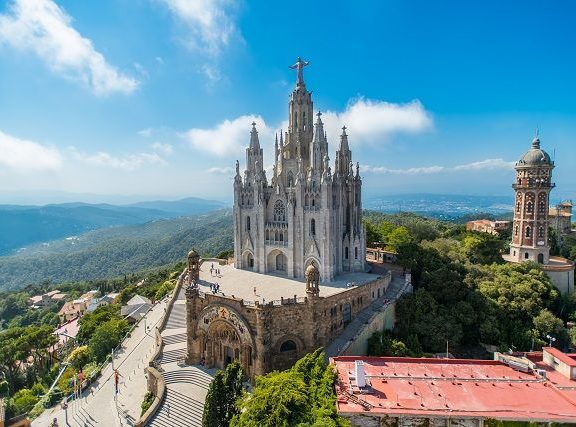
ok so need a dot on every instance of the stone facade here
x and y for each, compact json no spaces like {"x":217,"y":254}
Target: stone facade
{"x":265,"y":337}
{"x":304,"y":214}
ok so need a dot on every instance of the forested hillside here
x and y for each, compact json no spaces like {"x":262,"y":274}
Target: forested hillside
{"x":118,"y":251}
{"x":21,"y":226}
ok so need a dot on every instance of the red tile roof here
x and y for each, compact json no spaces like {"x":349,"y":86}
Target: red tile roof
{"x":563,"y":357}
{"x":450,"y":387}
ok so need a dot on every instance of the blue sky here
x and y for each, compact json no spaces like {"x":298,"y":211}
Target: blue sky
{"x":121,"y":100}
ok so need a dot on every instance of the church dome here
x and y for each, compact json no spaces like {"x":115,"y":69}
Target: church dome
{"x":535,"y":156}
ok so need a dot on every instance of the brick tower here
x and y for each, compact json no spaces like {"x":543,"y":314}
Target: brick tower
{"x":532,"y":187}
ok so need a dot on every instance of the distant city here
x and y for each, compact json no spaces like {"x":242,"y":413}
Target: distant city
{"x":442,"y":206}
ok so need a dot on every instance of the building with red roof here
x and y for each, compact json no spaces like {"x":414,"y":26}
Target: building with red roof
{"x":378,"y":391}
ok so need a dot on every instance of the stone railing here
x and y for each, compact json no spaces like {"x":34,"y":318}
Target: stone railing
{"x":156,"y":383}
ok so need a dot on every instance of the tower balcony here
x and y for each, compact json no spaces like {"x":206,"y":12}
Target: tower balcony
{"x":528,"y":186}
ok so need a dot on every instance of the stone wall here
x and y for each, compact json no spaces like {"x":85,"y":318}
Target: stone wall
{"x":384,"y":420}
{"x":270,"y":336}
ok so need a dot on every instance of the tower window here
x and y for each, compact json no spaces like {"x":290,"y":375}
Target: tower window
{"x":529,"y":207}
{"x":528,"y":232}
{"x":526,"y":255}
{"x":248,"y":223}
{"x":541,"y":232}
{"x":313,"y":227}
{"x":346,"y":252}
{"x":516,"y":230}
{"x":313,"y":202}
{"x":356,"y":252}
{"x":541,"y":206}
{"x":518,"y":207}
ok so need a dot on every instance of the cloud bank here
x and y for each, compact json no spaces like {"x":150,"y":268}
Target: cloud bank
{"x":22,"y":156}
{"x":488,"y":164}
{"x":41,"y":27}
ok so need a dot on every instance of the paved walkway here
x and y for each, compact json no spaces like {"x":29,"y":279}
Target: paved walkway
{"x":394,"y":291}
{"x":186,"y":386}
{"x":97,"y":405}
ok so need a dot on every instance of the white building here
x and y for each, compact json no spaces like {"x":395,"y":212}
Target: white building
{"x":305,"y":214}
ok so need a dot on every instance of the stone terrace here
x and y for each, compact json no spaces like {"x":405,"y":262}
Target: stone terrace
{"x":241,"y":283}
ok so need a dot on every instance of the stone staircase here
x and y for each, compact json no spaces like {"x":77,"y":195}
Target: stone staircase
{"x":178,"y":410}
{"x":190,"y":376}
{"x":174,"y":339}
{"x":177,"y":317}
{"x":169,"y":356}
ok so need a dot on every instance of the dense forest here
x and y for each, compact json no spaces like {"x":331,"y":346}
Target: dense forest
{"x":465,"y":296}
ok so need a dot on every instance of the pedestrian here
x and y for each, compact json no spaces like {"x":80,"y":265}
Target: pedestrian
{"x":168,"y":409}
{"x":54,"y":423}
{"x":254,"y":290}
{"x":116,"y":379}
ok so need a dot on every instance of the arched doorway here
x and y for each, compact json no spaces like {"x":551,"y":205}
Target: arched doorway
{"x":540,"y":258}
{"x":248,"y":260}
{"x":277,"y":262}
{"x":223,"y":337}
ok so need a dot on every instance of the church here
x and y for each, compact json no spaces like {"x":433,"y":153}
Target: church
{"x":300,"y":275}
{"x":305,"y":214}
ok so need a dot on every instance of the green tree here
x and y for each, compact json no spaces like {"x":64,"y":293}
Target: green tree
{"x":106,"y":337}
{"x":483,"y":248}
{"x":222,"y":395}
{"x":302,"y":395}
{"x":79,"y":357}
{"x":23,"y":401}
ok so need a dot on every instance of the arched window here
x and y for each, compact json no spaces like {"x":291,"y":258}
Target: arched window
{"x":307,"y":200}
{"x":518,"y":207}
{"x":526,"y":255}
{"x":516,"y":230}
{"x":313,"y":202}
{"x":346,"y":252}
{"x":290,"y":179}
{"x":313,"y":227}
{"x":288,"y":346}
{"x":529,"y":207}
{"x":304,"y":120}
{"x":248,"y":223}
{"x":356,"y":252}
{"x":528,"y":232}
{"x":541,"y":206}
{"x":279,"y":211}
{"x":541,"y":232}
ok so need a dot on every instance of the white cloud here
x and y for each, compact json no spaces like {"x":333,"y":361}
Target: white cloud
{"x":212,"y":73}
{"x":371,"y":121}
{"x":222,"y":170}
{"x":146,"y":133}
{"x":129,"y":162}
{"x":44,"y":28}
{"x":209,"y":22}
{"x":229,"y":137}
{"x":21,"y":156}
{"x":165,"y":149}
{"x":488,"y":164}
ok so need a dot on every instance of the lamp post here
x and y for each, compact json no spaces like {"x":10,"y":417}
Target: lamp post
{"x":551,"y":339}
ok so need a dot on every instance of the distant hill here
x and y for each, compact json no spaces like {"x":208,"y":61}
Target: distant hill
{"x":113,"y":252}
{"x":21,"y":226}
